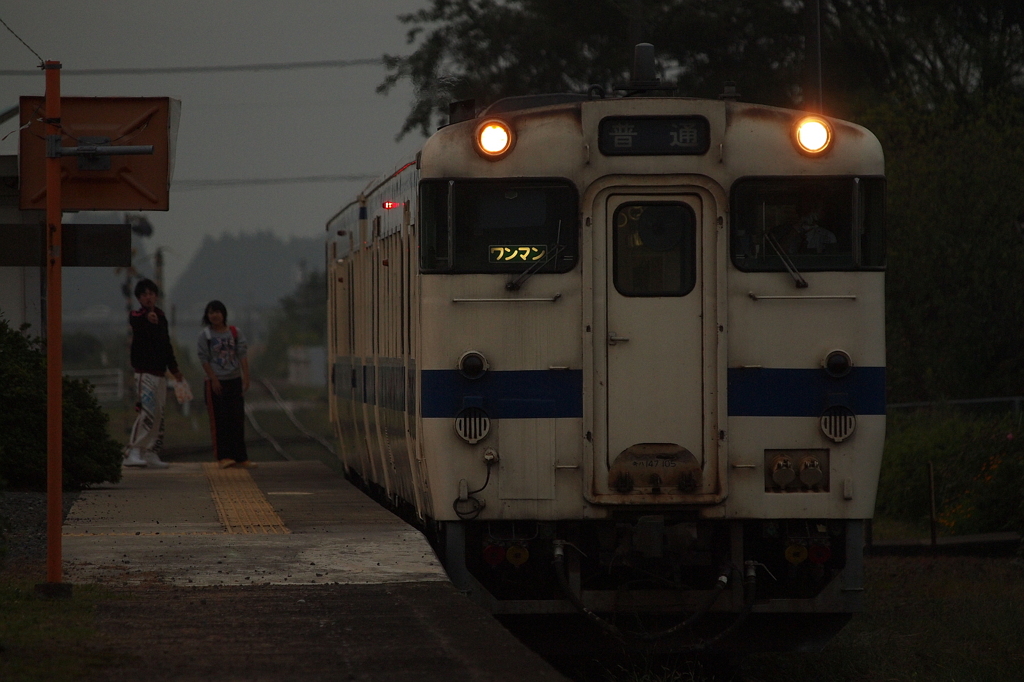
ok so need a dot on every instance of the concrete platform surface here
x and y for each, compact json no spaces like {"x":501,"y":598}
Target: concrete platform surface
{"x":281,"y":572}
{"x":164,"y":525}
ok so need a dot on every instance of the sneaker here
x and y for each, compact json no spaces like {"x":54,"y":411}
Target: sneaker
{"x":153,"y":461}
{"x":133,"y":459}
{"x":225,"y":463}
{"x":246,"y":464}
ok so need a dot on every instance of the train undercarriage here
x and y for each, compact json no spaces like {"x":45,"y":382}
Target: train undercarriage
{"x":667,"y":579}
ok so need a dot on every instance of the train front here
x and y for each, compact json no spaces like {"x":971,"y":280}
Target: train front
{"x":653,"y":363}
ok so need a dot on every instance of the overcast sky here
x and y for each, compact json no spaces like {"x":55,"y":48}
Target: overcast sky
{"x":265,"y":124}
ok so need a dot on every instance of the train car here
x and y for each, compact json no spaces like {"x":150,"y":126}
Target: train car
{"x":624,"y":356}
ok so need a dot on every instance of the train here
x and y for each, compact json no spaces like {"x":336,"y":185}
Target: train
{"x":622,"y":355}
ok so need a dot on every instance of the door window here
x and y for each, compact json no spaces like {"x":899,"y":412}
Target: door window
{"x":654,"y":249}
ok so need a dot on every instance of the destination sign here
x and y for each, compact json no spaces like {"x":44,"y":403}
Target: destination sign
{"x":654,"y":135}
{"x":515,"y":254}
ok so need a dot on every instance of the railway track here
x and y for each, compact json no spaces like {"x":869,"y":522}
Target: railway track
{"x":273,"y":426}
{"x":264,"y":397}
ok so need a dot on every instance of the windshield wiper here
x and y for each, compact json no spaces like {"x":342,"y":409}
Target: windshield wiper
{"x":515,"y":284}
{"x":801,"y":283}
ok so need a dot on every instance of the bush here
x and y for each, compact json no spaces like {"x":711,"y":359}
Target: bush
{"x":978,"y":462}
{"x":91,"y":456}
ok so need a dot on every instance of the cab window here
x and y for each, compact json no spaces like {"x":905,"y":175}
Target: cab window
{"x":810,"y":224}
{"x":498,"y":226}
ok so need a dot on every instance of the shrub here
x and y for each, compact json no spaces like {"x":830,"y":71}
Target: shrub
{"x":978,"y":462}
{"x":91,"y":456}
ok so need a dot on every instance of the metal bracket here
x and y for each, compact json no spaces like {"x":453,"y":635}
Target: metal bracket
{"x":93,"y":152}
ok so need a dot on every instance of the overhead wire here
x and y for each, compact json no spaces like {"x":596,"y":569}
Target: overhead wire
{"x":41,"y":60}
{"x":188,"y":185}
{"x":226,"y":68}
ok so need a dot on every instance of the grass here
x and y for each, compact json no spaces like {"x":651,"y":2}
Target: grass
{"x":48,"y":639}
{"x":941,"y":619}
{"x":885,"y":530}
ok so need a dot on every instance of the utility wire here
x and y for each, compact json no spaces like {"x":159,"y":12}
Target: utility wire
{"x":186,"y":185}
{"x":281,"y":66}
{"x":41,"y":60}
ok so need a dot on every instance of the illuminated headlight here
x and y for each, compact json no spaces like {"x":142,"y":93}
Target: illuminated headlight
{"x":494,"y":138}
{"x":813,"y":135}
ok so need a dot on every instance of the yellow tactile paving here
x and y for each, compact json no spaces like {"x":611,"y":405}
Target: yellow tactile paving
{"x":242,"y":506}
{"x":137,"y":533}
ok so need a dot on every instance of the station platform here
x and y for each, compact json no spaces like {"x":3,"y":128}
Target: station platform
{"x":280,"y":572}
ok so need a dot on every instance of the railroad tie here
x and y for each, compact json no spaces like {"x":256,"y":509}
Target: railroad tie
{"x":241,"y":505}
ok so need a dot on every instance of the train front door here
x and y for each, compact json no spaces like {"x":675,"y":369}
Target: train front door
{"x":654,"y":348}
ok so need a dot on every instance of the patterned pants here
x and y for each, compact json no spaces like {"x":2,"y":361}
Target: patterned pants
{"x":148,"y":432}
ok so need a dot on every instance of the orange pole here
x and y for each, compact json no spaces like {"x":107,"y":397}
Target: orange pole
{"x":54,"y":385}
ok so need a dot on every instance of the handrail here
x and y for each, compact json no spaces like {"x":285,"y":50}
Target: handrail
{"x":762,"y":297}
{"x":550,"y":299}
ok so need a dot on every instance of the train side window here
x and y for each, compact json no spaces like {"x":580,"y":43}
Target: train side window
{"x":435,"y":237}
{"x":817,"y":224}
{"x":655,"y":249}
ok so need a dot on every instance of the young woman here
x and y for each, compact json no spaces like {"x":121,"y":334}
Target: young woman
{"x":222,"y":352}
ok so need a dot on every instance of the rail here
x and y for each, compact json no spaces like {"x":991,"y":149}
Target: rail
{"x":1015,"y":399}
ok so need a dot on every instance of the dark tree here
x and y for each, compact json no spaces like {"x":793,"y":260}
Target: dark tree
{"x":301,"y":320}
{"x":925,"y":50}
{"x":90,"y":455}
{"x":486,"y":50}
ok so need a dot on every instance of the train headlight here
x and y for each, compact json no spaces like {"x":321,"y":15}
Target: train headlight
{"x":837,"y":364}
{"x":494,"y":139}
{"x":813,"y":135}
{"x":472,"y":365}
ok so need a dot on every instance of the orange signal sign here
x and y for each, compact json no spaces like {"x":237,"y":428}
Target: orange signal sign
{"x":101,"y":182}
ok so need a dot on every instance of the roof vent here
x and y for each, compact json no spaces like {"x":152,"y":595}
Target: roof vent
{"x":729,"y":92}
{"x":463,"y":110}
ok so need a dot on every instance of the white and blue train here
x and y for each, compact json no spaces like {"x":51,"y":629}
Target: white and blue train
{"x":625,"y":355}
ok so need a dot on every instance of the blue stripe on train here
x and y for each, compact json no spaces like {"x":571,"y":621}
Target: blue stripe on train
{"x":761,"y":392}
{"x":753,"y":392}
{"x":523,"y":394}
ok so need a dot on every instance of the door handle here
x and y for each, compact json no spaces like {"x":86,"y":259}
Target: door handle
{"x":613,"y":339}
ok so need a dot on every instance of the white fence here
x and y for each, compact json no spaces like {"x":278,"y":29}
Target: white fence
{"x":108,"y":384}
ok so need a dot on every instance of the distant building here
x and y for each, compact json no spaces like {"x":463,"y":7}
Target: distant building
{"x":307,"y":365}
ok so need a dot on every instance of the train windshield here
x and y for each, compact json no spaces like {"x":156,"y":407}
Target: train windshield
{"x":811,"y":224}
{"x":506,"y":226}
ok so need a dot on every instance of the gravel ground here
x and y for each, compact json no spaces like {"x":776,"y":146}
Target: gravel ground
{"x":415,"y":632}
{"x":23,"y":526}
